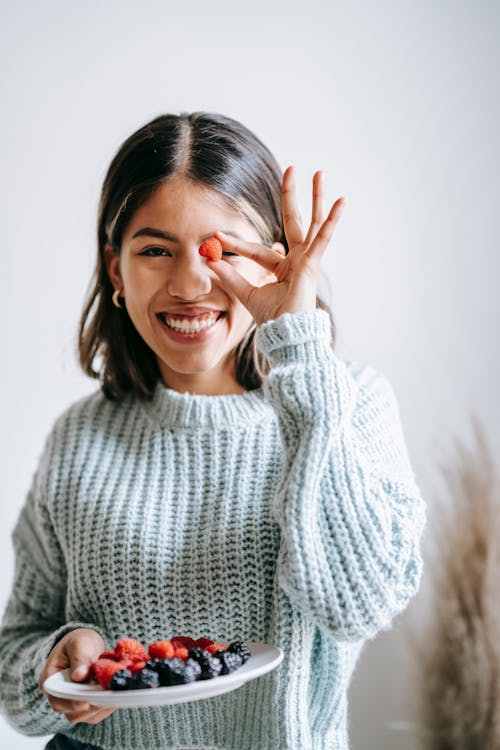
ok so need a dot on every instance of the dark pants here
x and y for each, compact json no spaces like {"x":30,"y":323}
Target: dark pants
{"x":61,"y":742}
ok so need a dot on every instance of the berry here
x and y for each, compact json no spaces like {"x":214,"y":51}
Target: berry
{"x":174,"y":671}
{"x":136,"y":666}
{"x":146,"y":678}
{"x":104,"y":669}
{"x":210,"y":666}
{"x":161,"y":650}
{"x":183,"y":640}
{"x":130,"y":650}
{"x":194,"y":666}
{"x":230,"y":661}
{"x":240,"y":648}
{"x":121,"y":680}
{"x":107,"y":655}
{"x":211,"y":249}
{"x":202,"y":643}
{"x":215,"y":647}
{"x":180,"y":652}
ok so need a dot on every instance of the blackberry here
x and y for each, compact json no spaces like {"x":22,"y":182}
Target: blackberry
{"x":240,"y":648}
{"x":230,"y":661}
{"x":210,"y":665}
{"x":155,"y":664}
{"x":194,"y":666}
{"x":121,"y":680}
{"x":175,"y":671}
{"x":146,"y":678}
{"x":196,"y":652}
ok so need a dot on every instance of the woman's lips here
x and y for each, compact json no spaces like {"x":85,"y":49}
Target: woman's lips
{"x":187,"y":338}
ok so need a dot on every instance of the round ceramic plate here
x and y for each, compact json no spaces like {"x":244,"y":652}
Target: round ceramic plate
{"x":264,"y":658}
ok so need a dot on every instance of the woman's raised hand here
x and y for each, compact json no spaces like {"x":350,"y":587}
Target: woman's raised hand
{"x":296,"y":273}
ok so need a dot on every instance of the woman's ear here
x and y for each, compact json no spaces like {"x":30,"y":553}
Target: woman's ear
{"x":113,"y":267}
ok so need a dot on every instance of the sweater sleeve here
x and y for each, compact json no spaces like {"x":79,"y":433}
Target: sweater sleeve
{"x":349,"y":510}
{"x":34,"y":617}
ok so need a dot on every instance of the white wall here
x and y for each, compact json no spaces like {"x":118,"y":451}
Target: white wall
{"x":397,"y":102}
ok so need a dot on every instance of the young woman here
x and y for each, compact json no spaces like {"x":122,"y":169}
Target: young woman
{"x":232,"y":477}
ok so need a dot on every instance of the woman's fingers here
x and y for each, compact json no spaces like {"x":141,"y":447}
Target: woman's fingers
{"x":317,"y":207}
{"x":233,"y":281}
{"x":93,"y":716}
{"x":325,"y":233}
{"x":63,"y":705}
{"x":76,"y":711}
{"x":292,"y":221}
{"x":264,"y":256}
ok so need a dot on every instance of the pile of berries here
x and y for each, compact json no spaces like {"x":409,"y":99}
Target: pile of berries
{"x":174,"y":662}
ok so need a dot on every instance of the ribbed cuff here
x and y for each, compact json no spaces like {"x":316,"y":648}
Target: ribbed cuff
{"x":283,"y":338}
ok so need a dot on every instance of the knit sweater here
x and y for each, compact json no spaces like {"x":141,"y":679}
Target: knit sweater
{"x":288,"y":515}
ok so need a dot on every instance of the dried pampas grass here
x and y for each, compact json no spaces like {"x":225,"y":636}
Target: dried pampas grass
{"x":458,"y":655}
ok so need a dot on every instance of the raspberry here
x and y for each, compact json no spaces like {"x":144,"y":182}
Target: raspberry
{"x":136,"y":666}
{"x":202,"y":643}
{"x":183,"y":640}
{"x":107,"y":655}
{"x":211,"y":249}
{"x":240,"y":648}
{"x":104,"y":669}
{"x":215,"y":647}
{"x":161,"y":650}
{"x":181,"y":652}
{"x":130,"y":650}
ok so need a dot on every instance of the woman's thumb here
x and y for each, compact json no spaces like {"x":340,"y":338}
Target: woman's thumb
{"x":81,"y":655}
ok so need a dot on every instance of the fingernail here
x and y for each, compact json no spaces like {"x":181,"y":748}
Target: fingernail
{"x":79,"y":671}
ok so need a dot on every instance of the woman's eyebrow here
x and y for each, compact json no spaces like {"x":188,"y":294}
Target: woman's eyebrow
{"x":151,"y":232}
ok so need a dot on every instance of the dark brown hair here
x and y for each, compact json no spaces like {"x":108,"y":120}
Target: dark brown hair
{"x":212,"y":150}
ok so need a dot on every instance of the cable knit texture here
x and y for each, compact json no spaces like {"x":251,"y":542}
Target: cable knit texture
{"x":288,"y":515}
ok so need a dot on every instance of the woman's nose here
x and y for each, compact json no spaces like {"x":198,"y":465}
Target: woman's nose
{"x":189,"y":276}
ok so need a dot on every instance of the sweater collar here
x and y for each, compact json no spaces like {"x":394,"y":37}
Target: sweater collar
{"x":172,"y":408}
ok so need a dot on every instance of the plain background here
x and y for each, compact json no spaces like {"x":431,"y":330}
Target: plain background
{"x":397,"y":102}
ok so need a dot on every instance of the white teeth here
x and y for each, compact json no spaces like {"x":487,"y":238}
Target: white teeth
{"x":192,"y":325}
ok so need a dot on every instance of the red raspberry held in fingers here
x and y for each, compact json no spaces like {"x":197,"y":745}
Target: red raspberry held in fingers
{"x":130,"y":650}
{"x":104,"y":669}
{"x":161,"y":650}
{"x":211,"y":249}
{"x":212,"y":648}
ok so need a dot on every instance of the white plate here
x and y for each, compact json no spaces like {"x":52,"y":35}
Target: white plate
{"x":264,"y":658}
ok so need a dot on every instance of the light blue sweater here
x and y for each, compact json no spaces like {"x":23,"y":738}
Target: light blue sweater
{"x":287,"y":515}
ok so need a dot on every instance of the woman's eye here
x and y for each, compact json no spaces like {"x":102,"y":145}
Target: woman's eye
{"x":154,"y":252}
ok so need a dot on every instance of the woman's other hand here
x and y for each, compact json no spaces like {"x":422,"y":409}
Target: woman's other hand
{"x":76,"y":651}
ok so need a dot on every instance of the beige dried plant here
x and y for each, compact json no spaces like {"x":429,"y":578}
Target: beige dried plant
{"x":459,"y":653}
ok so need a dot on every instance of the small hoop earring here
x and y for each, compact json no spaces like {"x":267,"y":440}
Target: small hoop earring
{"x":115,"y":296}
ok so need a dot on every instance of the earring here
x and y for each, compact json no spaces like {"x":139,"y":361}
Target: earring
{"x":115,"y":296}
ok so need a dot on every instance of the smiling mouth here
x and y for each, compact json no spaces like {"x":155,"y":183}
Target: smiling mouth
{"x":190,"y":326}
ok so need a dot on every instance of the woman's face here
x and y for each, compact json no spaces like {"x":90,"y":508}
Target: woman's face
{"x":161,"y":275}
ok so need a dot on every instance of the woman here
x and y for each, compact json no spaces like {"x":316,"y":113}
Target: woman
{"x":232,"y":477}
